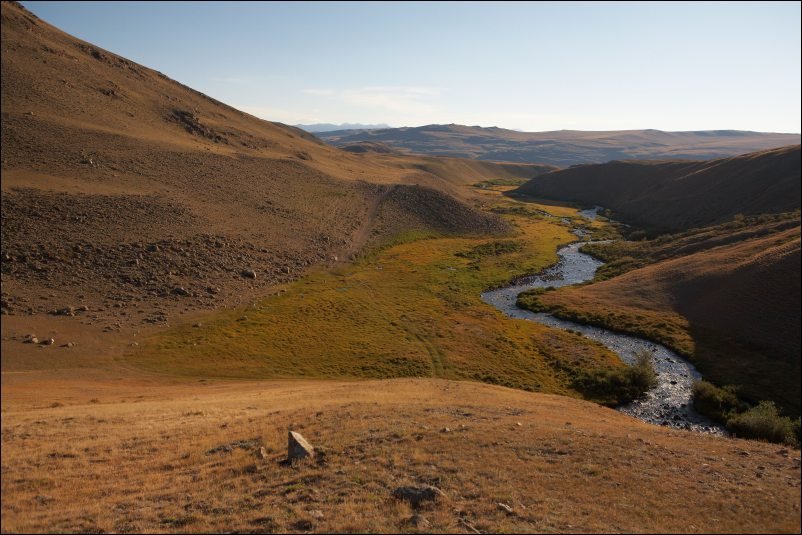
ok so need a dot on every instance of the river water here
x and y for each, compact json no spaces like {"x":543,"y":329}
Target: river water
{"x":669,"y":403}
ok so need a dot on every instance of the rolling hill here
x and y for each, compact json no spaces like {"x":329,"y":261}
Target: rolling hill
{"x":564,"y":147}
{"x":152,"y":191}
{"x":673,"y":195}
{"x":328,"y":127}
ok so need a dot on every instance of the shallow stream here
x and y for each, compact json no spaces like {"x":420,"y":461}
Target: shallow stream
{"x":669,"y":403}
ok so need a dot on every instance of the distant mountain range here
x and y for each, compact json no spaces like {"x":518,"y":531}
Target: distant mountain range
{"x":328,"y":127}
{"x":563,"y":147}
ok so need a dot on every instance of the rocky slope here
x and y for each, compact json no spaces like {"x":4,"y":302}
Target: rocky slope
{"x":123,"y":188}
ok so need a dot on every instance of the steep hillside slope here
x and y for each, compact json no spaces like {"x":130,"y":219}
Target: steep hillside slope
{"x":677,"y":195}
{"x":157,"y":196}
{"x":729,"y":298}
{"x":563,"y":147}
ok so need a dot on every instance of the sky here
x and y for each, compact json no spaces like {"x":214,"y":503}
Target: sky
{"x":528,"y":66}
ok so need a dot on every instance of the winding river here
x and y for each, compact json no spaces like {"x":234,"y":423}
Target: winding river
{"x":669,"y":403}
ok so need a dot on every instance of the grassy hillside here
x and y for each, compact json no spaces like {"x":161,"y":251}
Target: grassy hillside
{"x":159,"y":198}
{"x":676,"y":195}
{"x":727,"y":297}
{"x":561,"y":148}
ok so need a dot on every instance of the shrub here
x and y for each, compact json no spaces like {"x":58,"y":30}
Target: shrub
{"x":764,"y":422}
{"x":638,"y":235}
{"x":716,"y":403}
{"x":621,"y":385}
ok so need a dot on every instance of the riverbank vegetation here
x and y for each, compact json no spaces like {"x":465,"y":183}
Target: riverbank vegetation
{"x":613,"y":387}
{"x":725,"y":297}
{"x":762,"y":422}
{"x":622,"y":256}
{"x":412,"y":309}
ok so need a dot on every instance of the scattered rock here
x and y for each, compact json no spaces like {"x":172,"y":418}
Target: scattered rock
{"x":180,"y":290}
{"x":48,"y":341}
{"x":66,"y":311}
{"x":298,"y":448}
{"x":262,"y":453}
{"x":247,"y":273}
{"x":246,"y":444}
{"x":316,"y":514}
{"x":445,"y":430}
{"x":467,"y":525}
{"x":417,"y":495}
{"x":505,"y":507}
{"x":303,"y":525}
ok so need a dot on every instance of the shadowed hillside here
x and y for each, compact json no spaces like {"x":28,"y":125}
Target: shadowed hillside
{"x":564,"y":147}
{"x":679,"y":194}
{"x":728,"y":297}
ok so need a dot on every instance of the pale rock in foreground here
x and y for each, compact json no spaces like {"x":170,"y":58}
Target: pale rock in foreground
{"x":298,"y":447}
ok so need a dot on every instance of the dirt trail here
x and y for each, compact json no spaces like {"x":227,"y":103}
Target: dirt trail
{"x":362,"y":235}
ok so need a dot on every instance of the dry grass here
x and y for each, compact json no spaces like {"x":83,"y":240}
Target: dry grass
{"x":127,"y":465}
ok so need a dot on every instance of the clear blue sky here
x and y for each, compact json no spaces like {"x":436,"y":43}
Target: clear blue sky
{"x":530,"y":66}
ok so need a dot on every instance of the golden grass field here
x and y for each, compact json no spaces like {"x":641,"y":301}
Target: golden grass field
{"x":138,"y":458}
